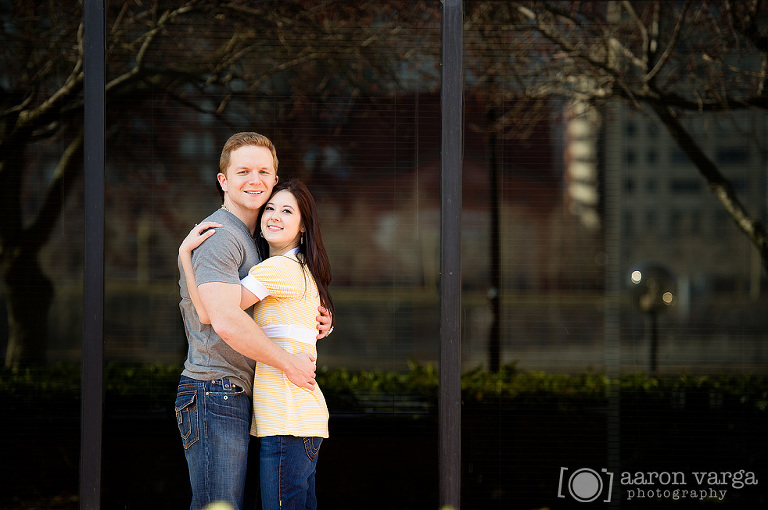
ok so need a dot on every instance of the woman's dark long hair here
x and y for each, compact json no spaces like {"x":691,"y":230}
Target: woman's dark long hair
{"x":313,"y":248}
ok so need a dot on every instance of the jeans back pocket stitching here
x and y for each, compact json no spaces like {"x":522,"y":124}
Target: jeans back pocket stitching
{"x":190,"y":410}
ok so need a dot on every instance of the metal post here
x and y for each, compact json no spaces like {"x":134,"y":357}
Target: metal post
{"x":612,"y":311}
{"x":653,"y":330}
{"x":93,"y":279}
{"x":494,"y":294}
{"x":450,"y":254}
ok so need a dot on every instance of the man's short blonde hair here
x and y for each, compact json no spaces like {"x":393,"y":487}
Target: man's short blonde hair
{"x":243,"y":140}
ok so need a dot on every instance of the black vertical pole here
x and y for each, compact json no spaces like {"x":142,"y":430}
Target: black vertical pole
{"x":653,"y":329}
{"x":450,"y":254}
{"x":93,"y":274}
{"x":494,"y":295}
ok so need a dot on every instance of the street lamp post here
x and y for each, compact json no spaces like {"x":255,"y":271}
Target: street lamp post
{"x":653,"y":290}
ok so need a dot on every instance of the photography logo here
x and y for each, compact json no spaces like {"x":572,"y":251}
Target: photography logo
{"x":585,"y":485}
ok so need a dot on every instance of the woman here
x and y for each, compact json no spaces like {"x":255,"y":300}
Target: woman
{"x":287,"y":288}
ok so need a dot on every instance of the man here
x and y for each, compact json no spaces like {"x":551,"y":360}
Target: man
{"x":213,"y":403}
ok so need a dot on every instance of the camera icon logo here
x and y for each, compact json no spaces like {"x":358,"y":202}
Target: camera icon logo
{"x":585,"y":485}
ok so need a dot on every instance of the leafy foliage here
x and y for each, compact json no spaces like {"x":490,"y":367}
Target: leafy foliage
{"x":136,"y":385}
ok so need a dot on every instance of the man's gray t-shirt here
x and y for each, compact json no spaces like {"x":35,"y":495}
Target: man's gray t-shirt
{"x":226,"y":257}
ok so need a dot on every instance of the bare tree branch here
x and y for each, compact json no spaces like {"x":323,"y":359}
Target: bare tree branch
{"x":47,"y":216}
{"x":673,"y":56}
{"x":717,"y":183}
{"x":666,"y":54}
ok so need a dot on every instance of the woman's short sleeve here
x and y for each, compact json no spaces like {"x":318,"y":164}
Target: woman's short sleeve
{"x":281,"y":276}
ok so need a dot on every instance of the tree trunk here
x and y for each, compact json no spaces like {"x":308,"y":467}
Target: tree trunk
{"x":28,"y":291}
{"x":28,"y":299}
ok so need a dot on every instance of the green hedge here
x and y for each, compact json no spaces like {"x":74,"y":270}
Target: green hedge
{"x":156,"y":384}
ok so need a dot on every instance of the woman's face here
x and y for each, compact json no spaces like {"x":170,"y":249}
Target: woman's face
{"x":281,"y":223}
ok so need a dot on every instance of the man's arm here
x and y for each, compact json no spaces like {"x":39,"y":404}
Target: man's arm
{"x":237,"y":328}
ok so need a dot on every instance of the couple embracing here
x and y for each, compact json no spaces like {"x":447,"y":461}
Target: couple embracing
{"x":254,"y":288}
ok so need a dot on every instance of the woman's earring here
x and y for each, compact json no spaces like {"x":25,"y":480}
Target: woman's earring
{"x":302,"y":238}
{"x":261,"y":234}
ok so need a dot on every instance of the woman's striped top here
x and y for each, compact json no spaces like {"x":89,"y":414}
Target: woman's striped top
{"x":287,"y":314}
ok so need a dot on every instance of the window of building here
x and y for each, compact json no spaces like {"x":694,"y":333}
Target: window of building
{"x":684,"y":185}
{"x":678,"y":157}
{"x":732,"y":156}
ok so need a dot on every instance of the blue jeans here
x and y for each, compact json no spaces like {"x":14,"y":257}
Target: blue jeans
{"x":288,"y":472}
{"x":214,"y":419}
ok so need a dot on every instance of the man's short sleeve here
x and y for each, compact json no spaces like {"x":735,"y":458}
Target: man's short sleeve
{"x":219,"y":258}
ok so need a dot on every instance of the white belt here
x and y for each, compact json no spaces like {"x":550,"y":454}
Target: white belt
{"x":299,"y":333}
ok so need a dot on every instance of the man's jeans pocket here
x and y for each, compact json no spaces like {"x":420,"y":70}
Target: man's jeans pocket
{"x":186,"y":417}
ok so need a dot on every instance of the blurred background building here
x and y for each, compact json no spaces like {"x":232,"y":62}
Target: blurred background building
{"x":562,"y":197}
{"x":376,"y":177}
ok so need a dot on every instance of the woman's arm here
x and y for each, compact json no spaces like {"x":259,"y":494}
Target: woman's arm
{"x":194,"y":239}
{"x":247,"y":298}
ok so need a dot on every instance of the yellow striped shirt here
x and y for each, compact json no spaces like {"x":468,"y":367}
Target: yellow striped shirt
{"x":288,"y":316}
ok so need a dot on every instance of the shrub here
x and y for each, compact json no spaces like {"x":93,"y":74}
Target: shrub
{"x":154,"y":385}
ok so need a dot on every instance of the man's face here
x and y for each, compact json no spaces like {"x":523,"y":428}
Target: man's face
{"x":249,"y":179}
